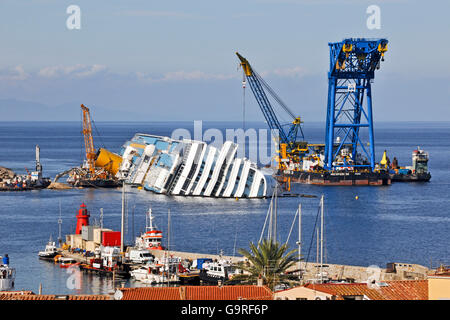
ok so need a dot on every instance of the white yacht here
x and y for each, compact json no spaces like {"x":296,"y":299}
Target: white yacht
{"x":50,"y":250}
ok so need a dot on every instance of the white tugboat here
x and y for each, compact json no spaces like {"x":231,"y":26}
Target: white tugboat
{"x":152,"y":237}
{"x":7,"y":274}
{"x":213,"y":272}
{"x":50,"y":251}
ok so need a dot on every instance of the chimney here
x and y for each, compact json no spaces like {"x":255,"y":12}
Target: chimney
{"x":259,"y":282}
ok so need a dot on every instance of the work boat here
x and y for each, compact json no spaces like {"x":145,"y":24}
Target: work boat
{"x":7,"y":277}
{"x":50,"y":250}
{"x":152,"y":237}
{"x":213,"y":272}
{"x":155,"y":273}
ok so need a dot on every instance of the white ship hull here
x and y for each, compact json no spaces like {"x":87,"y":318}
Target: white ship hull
{"x":191,"y":168}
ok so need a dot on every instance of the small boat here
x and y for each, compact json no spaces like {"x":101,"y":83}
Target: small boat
{"x":213,"y":272}
{"x":152,"y":237}
{"x":7,"y":275}
{"x":106,"y":263}
{"x":50,"y":252}
{"x":153,"y":274}
{"x":67,"y":262}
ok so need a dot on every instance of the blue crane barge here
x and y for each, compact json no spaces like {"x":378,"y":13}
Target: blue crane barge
{"x":348,"y":155}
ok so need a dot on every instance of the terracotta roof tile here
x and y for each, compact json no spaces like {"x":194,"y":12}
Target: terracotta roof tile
{"x":228,"y":293}
{"x":89,"y":297}
{"x":28,"y":295}
{"x":198,"y":293}
{"x":394,"y":290}
{"x":151,"y":293}
{"x":32,"y":297}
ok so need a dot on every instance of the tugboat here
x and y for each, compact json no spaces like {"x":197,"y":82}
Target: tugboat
{"x":7,"y":274}
{"x":152,"y":237}
{"x":10,"y":181}
{"x":417,"y":172}
{"x":213,"y":272}
{"x":50,"y":251}
{"x":106,"y":262}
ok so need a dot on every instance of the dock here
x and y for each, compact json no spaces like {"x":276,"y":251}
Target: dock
{"x":310,"y":270}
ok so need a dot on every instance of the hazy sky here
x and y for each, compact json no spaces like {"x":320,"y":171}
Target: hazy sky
{"x":175,"y":60}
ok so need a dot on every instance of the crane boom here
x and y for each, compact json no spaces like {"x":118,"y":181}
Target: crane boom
{"x":261,"y":97}
{"x":288,"y":140}
{"x":88,"y":139}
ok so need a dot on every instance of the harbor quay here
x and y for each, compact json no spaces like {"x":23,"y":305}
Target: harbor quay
{"x":310,"y":271}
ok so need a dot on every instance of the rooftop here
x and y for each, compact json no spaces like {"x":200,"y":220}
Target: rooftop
{"x":198,"y":293}
{"x":29,"y":295}
{"x":391,"y":290}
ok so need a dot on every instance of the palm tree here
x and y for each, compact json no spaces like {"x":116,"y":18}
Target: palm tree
{"x":268,"y":261}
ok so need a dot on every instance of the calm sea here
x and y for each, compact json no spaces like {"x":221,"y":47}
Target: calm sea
{"x":402,"y":222}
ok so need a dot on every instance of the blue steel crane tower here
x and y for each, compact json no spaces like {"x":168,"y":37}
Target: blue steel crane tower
{"x":352,"y":69}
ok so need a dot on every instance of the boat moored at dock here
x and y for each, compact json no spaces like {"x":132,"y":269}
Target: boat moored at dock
{"x":49,"y":252}
{"x":7,"y":274}
{"x":152,"y":238}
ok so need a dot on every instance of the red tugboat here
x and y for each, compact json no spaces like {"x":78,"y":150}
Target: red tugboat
{"x":152,"y":237}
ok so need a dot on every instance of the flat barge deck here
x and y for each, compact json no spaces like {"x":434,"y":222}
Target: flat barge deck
{"x":339,"y":178}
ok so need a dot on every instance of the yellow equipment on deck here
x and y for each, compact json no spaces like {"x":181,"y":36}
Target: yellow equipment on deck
{"x":108,"y":160}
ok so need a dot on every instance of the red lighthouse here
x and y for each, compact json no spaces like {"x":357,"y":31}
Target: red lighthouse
{"x":82,"y":218}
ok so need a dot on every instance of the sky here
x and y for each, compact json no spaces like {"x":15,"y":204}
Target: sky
{"x":175,"y":60}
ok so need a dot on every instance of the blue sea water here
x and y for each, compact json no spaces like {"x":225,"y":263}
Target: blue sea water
{"x":407,"y":222}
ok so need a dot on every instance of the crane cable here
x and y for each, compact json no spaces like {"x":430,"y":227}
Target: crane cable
{"x":243,"y":108}
{"x":277,"y":98}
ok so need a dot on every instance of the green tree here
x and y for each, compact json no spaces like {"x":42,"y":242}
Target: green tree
{"x":269,"y":261}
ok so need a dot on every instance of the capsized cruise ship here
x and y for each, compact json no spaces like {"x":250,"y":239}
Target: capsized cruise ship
{"x":191,"y":168}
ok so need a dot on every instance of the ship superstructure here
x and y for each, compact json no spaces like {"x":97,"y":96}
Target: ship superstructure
{"x":190,"y":168}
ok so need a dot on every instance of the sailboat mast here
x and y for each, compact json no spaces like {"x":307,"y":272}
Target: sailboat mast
{"x":59,"y":225}
{"x":300,"y":239}
{"x":123,"y":218}
{"x":321,"y":239}
{"x":168,"y":247}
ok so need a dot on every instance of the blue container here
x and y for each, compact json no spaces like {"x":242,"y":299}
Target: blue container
{"x":201,"y":261}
